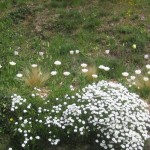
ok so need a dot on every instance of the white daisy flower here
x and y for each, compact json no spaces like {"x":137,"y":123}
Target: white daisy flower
{"x":107,"y":51}
{"x":94,"y":75}
{"x":16,"y":53}
{"x":12,"y":63}
{"x":84,"y":70}
{"x":132,"y":77}
{"x":134,"y":46}
{"x":148,"y":66}
{"x":23,"y":145}
{"x":24,"y":111}
{"x":145,"y":78}
{"x":33,"y":95}
{"x":71,"y":52}
{"x":83,"y":65}
{"x":137,"y":71}
{"x":77,"y":51}
{"x":146,"y":56}
{"x":66,"y":73}
{"x":37,"y":137}
{"x":34,"y":65}
{"x":101,"y":67}
{"x":19,"y":75}
{"x":41,"y":53}
{"x":53,"y":73}
{"x":106,"y":68}
{"x":57,"y":63}
{"x":125,"y":74}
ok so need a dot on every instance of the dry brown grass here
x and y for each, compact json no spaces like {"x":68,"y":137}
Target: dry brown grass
{"x":140,"y":83}
{"x":91,"y":70}
{"x":35,"y":77}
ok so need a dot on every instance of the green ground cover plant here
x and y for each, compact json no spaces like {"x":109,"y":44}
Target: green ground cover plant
{"x":53,"y":52}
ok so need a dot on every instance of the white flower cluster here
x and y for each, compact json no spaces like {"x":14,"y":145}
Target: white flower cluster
{"x":104,"y":67}
{"x":119,"y":119}
{"x":74,"y":52}
{"x":16,"y":101}
{"x":139,"y":75}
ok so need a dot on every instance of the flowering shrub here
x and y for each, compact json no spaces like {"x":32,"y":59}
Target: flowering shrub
{"x":116,"y":118}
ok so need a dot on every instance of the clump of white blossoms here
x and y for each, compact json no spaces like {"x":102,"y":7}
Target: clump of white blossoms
{"x":119,"y":119}
{"x":74,"y":52}
{"x":104,"y":67}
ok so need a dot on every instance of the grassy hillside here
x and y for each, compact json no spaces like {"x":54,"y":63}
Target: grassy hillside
{"x":56,"y":27}
{"x":35,"y":34}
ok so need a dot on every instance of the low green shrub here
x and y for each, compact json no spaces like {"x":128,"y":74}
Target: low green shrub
{"x":104,"y":112}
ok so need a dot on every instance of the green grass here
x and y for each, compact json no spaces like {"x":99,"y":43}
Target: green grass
{"x":4,"y":142}
{"x":55,"y":27}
